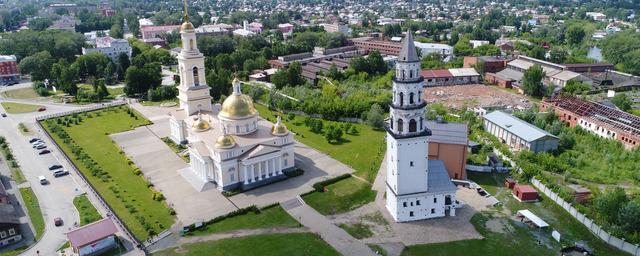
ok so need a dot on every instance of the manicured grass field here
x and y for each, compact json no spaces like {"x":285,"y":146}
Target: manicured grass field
{"x":22,"y":93}
{"x":363,"y":151}
{"x":88,"y":213}
{"x":127,"y":193}
{"x":113,"y":91}
{"x":342,"y":196}
{"x":263,"y":245}
{"x":18,"y":108}
{"x":267,"y":218}
{"x":517,"y":241}
{"x":35,"y":214}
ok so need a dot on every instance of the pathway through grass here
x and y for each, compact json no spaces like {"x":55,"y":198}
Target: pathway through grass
{"x":88,"y":213}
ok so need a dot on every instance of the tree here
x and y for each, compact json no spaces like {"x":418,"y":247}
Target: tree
{"x":335,"y":73}
{"x":279,"y":79}
{"x":123,"y":65}
{"x":333,"y":134}
{"x":391,"y":30}
{"x":532,"y":81}
{"x":375,"y":116}
{"x":629,"y":218}
{"x":116,"y":31}
{"x":574,"y":87}
{"x":608,"y":204}
{"x":622,"y":101}
{"x":575,"y":34}
{"x":140,"y":80}
{"x":558,"y":55}
{"x":37,"y":65}
{"x":92,"y":65}
{"x":376,"y":63}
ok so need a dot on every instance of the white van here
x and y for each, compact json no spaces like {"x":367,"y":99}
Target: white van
{"x":43,"y":180}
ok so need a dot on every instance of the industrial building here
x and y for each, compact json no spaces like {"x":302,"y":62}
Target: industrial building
{"x":448,"y":142}
{"x":518,"y":134}
{"x":452,"y":76}
{"x":602,"y":120}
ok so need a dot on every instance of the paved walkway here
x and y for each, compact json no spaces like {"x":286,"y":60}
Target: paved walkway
{"x":318,"y":223}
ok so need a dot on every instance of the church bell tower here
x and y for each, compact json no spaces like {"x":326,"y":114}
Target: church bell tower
{"x":193,"y":91}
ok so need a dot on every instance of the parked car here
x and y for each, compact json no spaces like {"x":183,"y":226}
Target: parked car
{"x":4,"y":115}
{"x":34,"y":140}
{"x":55,"y":167}
{"x":46,"y":151}
{"x":42,"y":109}
{"x":41,"y":147}
{"x":58,"y":221}
{"x":60,"y":173}
{"x":43,"y":180}
{"x":37,"y":144}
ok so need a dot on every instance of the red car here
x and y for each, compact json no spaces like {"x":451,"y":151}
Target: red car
{"x":42,"y":109}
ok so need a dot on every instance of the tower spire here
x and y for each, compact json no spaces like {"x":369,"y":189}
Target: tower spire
{"x":186,"y":11}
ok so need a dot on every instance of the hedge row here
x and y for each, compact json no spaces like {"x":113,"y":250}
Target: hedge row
{"x":319,"y":186}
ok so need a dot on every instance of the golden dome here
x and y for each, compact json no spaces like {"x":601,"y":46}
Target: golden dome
{"x":237,"y":105}
{"x":186,"y":26}
{"x":200,"y":124}
{"x":279,"y":129}
{"x":225,"y":142}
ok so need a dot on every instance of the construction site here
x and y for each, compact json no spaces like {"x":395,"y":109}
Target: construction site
{"x":477,"y":95}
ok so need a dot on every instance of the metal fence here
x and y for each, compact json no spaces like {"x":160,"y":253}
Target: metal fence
{"x":616,"y":242}
{"x":111,"y":213}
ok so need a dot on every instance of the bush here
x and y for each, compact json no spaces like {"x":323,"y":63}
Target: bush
{"x":158,"y":196}
{"x":40,"y":88}
{"x":295,"y":173}
{"x":162,"y":93}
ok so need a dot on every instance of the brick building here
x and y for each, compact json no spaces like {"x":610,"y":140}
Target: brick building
{"x":489,"y":63}
{"x":157,"y":31}
{"x":9,"y":68}
{"x":602,"y":120}
{"x":448,"y":142}
{"x":376,"y":44}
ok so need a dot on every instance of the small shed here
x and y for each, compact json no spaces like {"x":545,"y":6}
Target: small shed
{"x":525,"y":193}
{"x":529,"y":217}
{"x":509,"y":182}
{"x":94,"y":238}
{"x":580,"y":193}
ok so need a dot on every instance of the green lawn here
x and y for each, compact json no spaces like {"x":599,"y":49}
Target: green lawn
{"x":491,"y":182}
{"x":358,"y":230}
{"x":157,"y":103}
{"x":342,"y":196}
{"x":267,"y":218}
{"x":128,"y":194}
{"x":22,"y":93}
{"x":177,"y":148}
{"x":35,"y":214}
{"x":113,"y":91}
{"x":18,"y":108}
{"x":363,"y":151}
{"x":263,"y":245}
{"x":517,"y":241}
{"x":88,"y":213}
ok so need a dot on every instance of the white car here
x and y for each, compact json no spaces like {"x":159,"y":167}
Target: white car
{"x":43,"y":180}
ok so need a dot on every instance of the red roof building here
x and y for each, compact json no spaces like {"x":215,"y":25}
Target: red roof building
{"x":93,"y":238}
{"x":525,"y":193}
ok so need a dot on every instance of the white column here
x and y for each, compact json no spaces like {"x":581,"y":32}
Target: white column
{"x":253,"y":173}
{"x":279,"y":164}
{"x":272,"y":165}
{"x":246,"y":179}
{"x":267,"y":169}
{"x":259,"y":171}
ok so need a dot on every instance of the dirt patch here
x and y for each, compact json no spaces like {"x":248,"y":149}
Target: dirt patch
{"x":461,"y":96}
{"x":496,"y":226}
{"x":181,"y":250}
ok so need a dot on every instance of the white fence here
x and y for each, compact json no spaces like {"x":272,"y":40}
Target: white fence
{"x":478,"y":168}
{"x":619,"y":243}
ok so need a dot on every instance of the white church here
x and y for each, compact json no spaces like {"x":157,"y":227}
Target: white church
{"x":417,"y":188}
{"x":230,"y":147}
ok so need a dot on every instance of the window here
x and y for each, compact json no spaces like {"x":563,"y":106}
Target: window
{"x":417,"y":202}
{"x":412,"y":125}
{"x":401,"y":99}
{"x":400,"y":124}
{"x":12,"y":232}
{"x":233,"y":178}
{"x":404,"y":204}
{"x":196,"y":77}
{"x":191,"y":44}
{"x":3,"y":234}
{"x":411,"y":163}
{"x":410,"y":73}
{"x":435,"y":200}
{"x":410,"y":98}
{"x":433,"y":211}
{"x":411,"y":214}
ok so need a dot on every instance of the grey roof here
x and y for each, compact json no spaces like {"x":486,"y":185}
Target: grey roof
{"x":438,"y":179}
{"x":516,"y":126}
{"x":408,"y":52}
{"x":451,"y":133}
{"x":8,"y":214}
{"x":510,"y":74}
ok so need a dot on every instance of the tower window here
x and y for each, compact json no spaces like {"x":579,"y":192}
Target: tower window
{"x":417,"y":202}
{"x":191,"y":44}
{"x":401,"y":99}
{"x":404,"y":204}
{"x":400,"y":124}
{"x":196,"y":76}
{"x":412,"y":125}
{"x":411,"y":98}
{"x":433,"y":211}
{"x":411,"y":163}
{"x":411,"y":214}
{"x":435,"y":200}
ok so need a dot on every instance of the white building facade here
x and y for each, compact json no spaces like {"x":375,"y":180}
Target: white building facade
{"x":417,"y":188}
{"x":111,"y":47}
{"x":229,"y":146}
